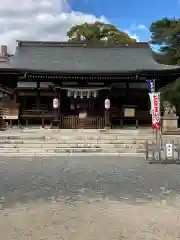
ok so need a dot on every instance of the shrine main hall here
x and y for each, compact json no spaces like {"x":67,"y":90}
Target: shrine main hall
{"x":81,"y":76}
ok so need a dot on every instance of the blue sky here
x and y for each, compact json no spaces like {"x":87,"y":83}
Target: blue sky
{"x":130,"y":15}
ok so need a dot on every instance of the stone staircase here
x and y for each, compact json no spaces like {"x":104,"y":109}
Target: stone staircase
{"x":52,"y":142}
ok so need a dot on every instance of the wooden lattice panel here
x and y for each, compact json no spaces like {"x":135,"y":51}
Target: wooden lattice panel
{"x":73,"y":122}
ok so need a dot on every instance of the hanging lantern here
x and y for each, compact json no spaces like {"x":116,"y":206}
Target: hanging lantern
{"x":88,"y":94}
{"x":107,"y":103}
{"x":85,"y":94}
{"x":69,"y":93}
{"x":56,"y":103}
{"x":95,"y":94}
{"x":75,"y":94}
{"x":81,"y":94}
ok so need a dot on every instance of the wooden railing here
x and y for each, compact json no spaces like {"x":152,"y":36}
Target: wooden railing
{"x":38,"y":113}
{"x":73,"y":121}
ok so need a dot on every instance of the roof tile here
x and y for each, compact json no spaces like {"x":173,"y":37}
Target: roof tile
{"x":66,"y":57}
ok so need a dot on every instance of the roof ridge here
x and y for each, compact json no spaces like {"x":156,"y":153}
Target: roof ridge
{"x":79,"y":44}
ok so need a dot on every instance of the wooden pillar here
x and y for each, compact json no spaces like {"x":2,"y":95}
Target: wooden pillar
{"x":56,"y":121}
{"x":107,"y":118}
{"x":59,"y":109}
{"x":38,"y":103}
{"x":14,"y":96}
{"x":107,"y":105}
{"x":56,"y":110}
{"x":127,"y":91}
{"x":38,"y":96}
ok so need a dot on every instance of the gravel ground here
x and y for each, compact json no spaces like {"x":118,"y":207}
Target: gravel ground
{"x":88,"y":198}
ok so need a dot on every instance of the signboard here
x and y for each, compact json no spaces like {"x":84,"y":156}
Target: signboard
{"x":129,"y":112}
{"x":169,"y":150}
{"x":155,"y":110}
{"x":46,"y":84}
{"x":138,"y":85}
{"x":27,"y":93}
{"x":10,"y":113}
{"x":26,"y":84}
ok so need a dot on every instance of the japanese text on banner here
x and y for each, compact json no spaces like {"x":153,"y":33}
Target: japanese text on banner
{"x":155,"y":111}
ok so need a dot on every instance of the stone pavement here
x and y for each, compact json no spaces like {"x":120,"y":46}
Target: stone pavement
{"x":88,"y":198}
{"x":25,"y":179}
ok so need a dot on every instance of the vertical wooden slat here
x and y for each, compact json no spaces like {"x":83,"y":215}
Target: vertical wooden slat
{"x":72,"y":122}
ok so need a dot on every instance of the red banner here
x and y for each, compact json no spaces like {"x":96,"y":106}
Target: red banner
{"x":155,"y":110}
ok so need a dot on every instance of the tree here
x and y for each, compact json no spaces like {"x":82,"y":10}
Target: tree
{"x":171,"y":93}
{"x":166,"y":34}
{"x":98,"y":32}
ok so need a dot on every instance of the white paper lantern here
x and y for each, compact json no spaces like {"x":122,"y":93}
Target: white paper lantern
{"x":69,"y":93}
{"x":81,"y":94}
{"x":95,"y":94}
{"x":85,"y":94}
{"x":75,"y":94}
{"x":55,"y":103}
{"x":107,"y":103}
{"x":88,"y":94}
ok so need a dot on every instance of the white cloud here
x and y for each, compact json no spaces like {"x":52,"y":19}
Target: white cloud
{"x":136,"y":27}
{"x":38,"y":20}
{"x":43,"y":20}
{"x":135,"y":30}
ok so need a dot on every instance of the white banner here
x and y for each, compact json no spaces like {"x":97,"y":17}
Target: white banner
{"x":151,"y":98}
{"x":155,"y":110}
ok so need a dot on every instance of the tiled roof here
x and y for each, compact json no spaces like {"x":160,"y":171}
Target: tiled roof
{"x":68,"y":57}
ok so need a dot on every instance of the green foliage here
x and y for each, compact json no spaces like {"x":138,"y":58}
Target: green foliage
{"x":163,"y":58}
{"x":98,"y":32}
{"x":171,"y":93}
{"x":166,"y":33}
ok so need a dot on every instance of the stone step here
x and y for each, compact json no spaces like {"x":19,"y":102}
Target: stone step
{"x":51,"y":146}
{"x":72,"y":141}
{"x":55,"y":151}
{"x":68,"y":136}
{"x":36,"y":142}
{"x":43,"y":150}
{"x":73,"y":145}
{"x":72,"y":131}
{"x":76,"y":137}
{"x":80,"y":154}
{"x":31,"y":129}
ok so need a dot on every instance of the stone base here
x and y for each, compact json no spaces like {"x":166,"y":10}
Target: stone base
{"x":169,"y":123}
